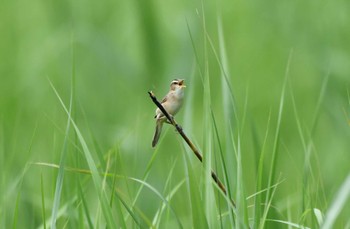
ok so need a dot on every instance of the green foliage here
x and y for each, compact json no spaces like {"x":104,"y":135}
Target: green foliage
{"x":267,"y":104}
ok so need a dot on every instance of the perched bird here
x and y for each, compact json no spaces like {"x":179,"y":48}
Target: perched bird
{"x":172,"y":103}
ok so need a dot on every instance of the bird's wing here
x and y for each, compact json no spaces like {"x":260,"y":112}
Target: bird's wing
{"x":164,"y":99}
{"x":158,"y":112}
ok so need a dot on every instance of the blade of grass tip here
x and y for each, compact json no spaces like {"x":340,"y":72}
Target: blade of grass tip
{"x":305,"y":148}
{"x":310,"y":146}
{"x":62,"y":211}
{"x":209,"y":200}
{"x":156,"y":218}
{"x":225,"y":82}
{"x":146,"y":173}
{"x":225,"y":74}
{"x":107,"y":212}
{"x":319,"y":102}
{"x":258,"y":206}
{"x":227,"y":92}
{"x":155,"y":191}
{"x":340,"y":200}
{"x":88,"y":172}
{"x":245,"y":108}
{"x":260,"y":174}
{"x":139,"y":217}
{"x":146,"y":220}
{"x":188,"y":110}
{"x":132,"y":214}
{"x":70,"y":141}
{"x":150,"y":187}
{"x":60,"y":176}
{"x":260,"y":164}
{"x":42,"y":199}
{"x":264,"y":190}
{"x":319,"y":216}
{"x":277,"y":134}
{"x":120,"y":165}
{"x":97,"y":147}
{"x":297,"y":119}
{"x":170,"y":175}
{"x":268,"y":205}
{"x":158,"y":215}
{"x":195,"y":52}
{"x":229,"y":102}
{"x":307,"y":144}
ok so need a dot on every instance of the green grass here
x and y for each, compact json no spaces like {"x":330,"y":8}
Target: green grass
{"x":267,"y":104}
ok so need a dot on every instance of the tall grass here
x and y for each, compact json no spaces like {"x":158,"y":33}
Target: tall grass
{"x":75,"y":150}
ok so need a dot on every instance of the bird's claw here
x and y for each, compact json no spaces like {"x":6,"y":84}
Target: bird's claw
{"x":172,"y":119}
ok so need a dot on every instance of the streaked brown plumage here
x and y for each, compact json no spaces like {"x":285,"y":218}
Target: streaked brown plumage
{"x":172,"y":103}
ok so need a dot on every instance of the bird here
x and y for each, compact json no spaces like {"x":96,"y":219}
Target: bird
{"x":172,"y":103}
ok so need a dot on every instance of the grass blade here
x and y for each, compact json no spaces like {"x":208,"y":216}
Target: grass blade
{"x":60,"y":176}
{"x":157,"y":216}
{"x":225,"y":171}
{"x":15,"y":215}
{"x":43,"y":199}
{"x":85,"y":206}
{"x":107,"y":212}
{"x":334,"y":210}
{"x":288,"y":223}
{"x":155,"y":191}
{"x":198,"y":217}
{"x":277,"y":134}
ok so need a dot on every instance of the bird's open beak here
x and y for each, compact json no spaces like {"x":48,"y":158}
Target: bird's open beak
{"x":182,"y":83}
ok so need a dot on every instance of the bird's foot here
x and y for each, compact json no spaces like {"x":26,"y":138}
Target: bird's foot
{"x":172,"y":119}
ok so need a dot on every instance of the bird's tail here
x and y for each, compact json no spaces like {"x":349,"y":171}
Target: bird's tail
{"x":159,"y":126}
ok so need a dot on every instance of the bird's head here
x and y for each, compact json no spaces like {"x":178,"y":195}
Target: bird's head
{"x":177,"y":84}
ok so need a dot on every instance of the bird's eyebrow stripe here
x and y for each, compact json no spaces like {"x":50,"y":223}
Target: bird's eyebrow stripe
{"x":177,"y":82}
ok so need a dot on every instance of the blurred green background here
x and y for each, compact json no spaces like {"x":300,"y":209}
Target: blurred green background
{"x":119,"y":50}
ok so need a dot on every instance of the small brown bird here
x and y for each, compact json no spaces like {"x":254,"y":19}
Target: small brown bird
{"x":172,"y":103}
